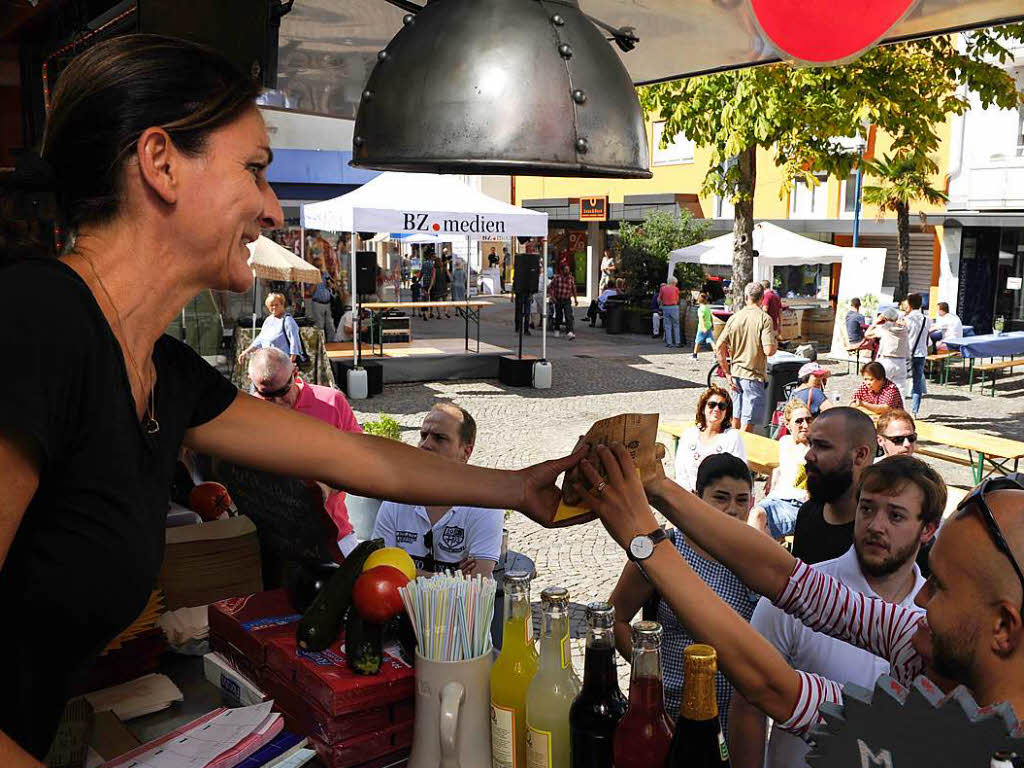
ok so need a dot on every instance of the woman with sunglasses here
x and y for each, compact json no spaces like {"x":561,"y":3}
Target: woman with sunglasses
{"x":713,"y":433}
{"x":776,"y":513}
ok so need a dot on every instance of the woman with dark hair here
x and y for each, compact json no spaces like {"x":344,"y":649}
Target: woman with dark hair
{"x":876,"y":392}
{"x":713,"y":433}
{"x":158,"y":157}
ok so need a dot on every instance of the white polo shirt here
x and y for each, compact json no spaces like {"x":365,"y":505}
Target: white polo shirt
{"x":461,"y":532}
{"x":812,"y":651}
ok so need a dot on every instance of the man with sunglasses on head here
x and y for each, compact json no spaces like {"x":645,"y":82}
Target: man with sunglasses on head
{"x":275,"y":378}
{"x":897,"y":433}
{"x":445,"y":538}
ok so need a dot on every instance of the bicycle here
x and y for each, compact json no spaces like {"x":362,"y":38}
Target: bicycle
{"x":717,"y":377}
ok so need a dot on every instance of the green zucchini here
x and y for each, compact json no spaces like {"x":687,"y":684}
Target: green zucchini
{"x":321,"y":624}
{"x":363,"y":644}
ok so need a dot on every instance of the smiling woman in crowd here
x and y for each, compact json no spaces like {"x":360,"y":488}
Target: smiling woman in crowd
{"x":158,"y":158}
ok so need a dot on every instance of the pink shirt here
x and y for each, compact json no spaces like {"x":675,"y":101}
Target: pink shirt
{"x":330,"y":406}
{"x":669,"y":295}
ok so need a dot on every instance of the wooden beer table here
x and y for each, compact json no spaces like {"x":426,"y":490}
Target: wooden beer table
{"x":470,"y":310}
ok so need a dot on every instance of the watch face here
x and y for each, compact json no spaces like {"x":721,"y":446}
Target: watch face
{"x":641,"y":547}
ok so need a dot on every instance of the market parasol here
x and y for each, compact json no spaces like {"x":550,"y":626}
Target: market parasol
{"x":271,"y":261}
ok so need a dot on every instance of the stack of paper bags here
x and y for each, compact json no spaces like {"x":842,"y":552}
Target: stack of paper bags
{"x":210,"y":561}
{"x":185,"y":625}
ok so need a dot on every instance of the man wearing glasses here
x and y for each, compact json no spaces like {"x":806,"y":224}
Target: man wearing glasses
{"x":275,"y":378}
{"x":897,"y":435}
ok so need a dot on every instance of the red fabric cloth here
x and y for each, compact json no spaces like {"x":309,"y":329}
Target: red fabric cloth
{"x":772,"y":304}
{"x":330,"y":406}
{"x":669,"y":295}
{"x":562,"y":287}
{"x":890,"y":395}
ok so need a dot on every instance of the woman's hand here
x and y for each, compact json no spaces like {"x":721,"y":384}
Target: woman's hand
{"x":619,"y":501}
{"x":540,"y":494}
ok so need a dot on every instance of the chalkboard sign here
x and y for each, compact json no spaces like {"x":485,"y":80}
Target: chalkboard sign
{"x":289,"y":516}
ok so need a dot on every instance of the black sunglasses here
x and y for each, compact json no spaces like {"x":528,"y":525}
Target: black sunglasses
{"x":901,"y":439}
{"x":1015,"y":481}
{"x":273,"y":394}
{"x":803,"y":420}
{"x":717,"y":405}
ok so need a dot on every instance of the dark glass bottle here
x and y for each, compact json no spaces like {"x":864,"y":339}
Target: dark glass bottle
{"x":600,"y":705}
{"x":644,"y":735}
{"x":698,"y":741}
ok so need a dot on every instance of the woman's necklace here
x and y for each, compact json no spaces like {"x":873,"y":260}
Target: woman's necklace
{"x":149,"y":425}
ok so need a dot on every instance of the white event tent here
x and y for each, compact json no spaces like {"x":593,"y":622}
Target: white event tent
{"x":423,"y":203}
{"x":776,"y":247}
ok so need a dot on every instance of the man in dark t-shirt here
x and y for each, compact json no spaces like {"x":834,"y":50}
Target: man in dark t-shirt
{"x":842,"y":444}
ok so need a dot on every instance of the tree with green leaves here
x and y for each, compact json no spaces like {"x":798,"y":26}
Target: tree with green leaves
{"x":907,"y":90}
{"x":902,"y":180}
{"x":646,"y":248}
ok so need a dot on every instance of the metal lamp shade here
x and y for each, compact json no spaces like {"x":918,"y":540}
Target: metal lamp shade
{"x":525,"y":87}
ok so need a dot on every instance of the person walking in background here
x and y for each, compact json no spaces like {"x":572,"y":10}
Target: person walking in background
{"x":442,"y":282}
{"x":428,"y":276}
{"x":705,"y":325}
{"x":506,"y":261}
{"x":668,"y":299}
{"x":893,"y":346}
{"x":772,"y":304}
{"x":712,"y":433}
{"x":563,"y":292}
{"x":743,"y":349}
{"x":918,"y":326}
{"x":320,"y":304}
{"x":459,"y":281}
{"x":279,"y":330}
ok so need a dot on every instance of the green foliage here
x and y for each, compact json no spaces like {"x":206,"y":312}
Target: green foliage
{"x":645,"y":250}
{"x":903,"y":179}
{"x":796,"y":113}
{"x":384,"y":426}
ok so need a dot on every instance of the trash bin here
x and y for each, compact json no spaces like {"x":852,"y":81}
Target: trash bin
{"x":615,"y":317}
{"x":782,"y":370}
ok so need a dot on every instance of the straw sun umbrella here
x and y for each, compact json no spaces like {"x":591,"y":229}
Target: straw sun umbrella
{"x":271,"y":261}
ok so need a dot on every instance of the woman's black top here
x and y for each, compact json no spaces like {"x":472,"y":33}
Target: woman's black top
{"x":89,"y":547}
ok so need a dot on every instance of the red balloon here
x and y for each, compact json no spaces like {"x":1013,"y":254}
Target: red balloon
{"x":817,"y":32}
{"x":376,"y":596}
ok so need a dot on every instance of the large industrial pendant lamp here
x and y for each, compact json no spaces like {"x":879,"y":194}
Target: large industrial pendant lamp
{"x":525,"y":87}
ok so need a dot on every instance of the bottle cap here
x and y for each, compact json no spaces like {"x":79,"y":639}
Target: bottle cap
{"x":555,"y":595}
{"x":517,"y":579}
{"x":700,"y":657}
{"x":646,"y":632}
{"x":601,"y":615}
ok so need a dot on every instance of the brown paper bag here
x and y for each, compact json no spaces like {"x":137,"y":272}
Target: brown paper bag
{"x":636,"y":431}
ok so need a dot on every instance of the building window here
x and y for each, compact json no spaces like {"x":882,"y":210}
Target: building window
{"x":809,"y":202}
{"x":678,"y":152}
{"x":848,"y":196}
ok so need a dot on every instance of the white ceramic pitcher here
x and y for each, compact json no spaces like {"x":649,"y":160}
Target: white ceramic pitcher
{"x":453,"y":704}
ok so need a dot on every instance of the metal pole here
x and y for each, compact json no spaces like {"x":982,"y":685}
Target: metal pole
{"x":544,"y":300}
{"x":856,"y":207}
{"x":356,"y":311}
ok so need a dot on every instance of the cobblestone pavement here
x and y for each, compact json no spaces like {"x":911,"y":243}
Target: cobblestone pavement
{"x":601,"y":376}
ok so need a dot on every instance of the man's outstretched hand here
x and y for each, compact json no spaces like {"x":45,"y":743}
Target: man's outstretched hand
{"x":540,"y":494}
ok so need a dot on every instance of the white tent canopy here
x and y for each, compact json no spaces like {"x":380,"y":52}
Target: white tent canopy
{"x":423,"y":202}
{"x":776,"y":247}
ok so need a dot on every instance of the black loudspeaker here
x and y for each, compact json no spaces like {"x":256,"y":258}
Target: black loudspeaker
{"x":527,"y":266}
{"x":366,"y":272}
{"x":514,"y":372}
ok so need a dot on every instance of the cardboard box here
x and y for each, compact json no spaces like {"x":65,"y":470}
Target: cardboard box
{"x":312,"y":720}
{"x":325,"y":678}
{"x":372,"y":749}
{"x":241,"y":626}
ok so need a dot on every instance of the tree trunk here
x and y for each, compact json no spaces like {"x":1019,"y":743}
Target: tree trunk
{"x":743,"y":225}
{"x":903,"y":263}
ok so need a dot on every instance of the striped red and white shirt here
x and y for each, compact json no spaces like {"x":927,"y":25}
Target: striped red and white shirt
{"x":826,"y":605}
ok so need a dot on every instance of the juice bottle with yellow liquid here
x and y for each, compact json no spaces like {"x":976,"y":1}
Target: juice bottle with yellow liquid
{"x":511,"y":675}
{"x":553,"y":689}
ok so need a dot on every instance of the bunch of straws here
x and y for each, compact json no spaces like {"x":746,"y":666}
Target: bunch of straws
{"x":451,"y":615}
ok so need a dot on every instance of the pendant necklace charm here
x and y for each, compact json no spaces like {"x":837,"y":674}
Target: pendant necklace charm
{"x":151,"y":427}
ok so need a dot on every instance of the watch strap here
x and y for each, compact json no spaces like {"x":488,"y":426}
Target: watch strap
{"x":656,"y":536}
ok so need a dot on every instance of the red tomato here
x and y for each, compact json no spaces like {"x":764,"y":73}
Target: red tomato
{"x":376,"y":596}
